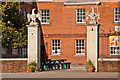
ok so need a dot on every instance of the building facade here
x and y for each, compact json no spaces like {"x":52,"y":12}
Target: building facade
{"x":64,"y":31}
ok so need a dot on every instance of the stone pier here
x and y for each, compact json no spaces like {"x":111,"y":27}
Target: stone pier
{"x":92,"y":43}
{"x":34,"y":43}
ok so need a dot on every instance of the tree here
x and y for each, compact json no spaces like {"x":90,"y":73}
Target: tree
{"x":14,"y":30}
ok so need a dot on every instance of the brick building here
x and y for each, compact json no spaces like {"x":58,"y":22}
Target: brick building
{"x":64,"y":31}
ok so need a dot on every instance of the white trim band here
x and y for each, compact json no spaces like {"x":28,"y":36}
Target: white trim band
{"x":82,"y":3}
{"x":108,"y":59}
{"x":12,"y":59}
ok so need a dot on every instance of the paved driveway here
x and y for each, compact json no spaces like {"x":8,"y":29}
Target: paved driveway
{"x":62,"y":74}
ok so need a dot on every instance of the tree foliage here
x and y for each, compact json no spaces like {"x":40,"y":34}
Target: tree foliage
{"x":14,"y":30}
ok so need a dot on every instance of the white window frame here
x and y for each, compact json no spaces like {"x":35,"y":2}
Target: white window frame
{"x":114,"y":15}
{"x":55,"y":46}
{"x":117,"y":28}
{"x":45,"y":16}
{"x":79,"y":46}
{"x":113,"y":50}
{"x":82,"y":16}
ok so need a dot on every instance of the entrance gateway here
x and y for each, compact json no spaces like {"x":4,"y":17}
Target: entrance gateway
{"x":34,"y":38}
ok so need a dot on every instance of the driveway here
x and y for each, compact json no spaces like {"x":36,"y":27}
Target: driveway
{"x":62,"y":74}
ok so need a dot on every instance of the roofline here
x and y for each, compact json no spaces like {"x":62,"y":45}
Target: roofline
{"x":82,"y":3}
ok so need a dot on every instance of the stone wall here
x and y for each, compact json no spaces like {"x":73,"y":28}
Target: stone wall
{"x":14,"y":66}
{"x":108,"y":66}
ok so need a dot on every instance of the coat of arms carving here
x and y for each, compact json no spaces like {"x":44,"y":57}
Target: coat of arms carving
{"x":92,"y":16}
{"x":32,"y":17}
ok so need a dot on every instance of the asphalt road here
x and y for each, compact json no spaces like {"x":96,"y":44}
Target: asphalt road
{"x":62,"y":74}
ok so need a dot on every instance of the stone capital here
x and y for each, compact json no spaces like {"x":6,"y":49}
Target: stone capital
{"x":96,"y":25}
{"x":33,"y":24}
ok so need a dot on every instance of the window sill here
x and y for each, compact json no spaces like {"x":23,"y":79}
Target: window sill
{"x":81,"y":55}
{"x":80,"y":23}
{"x":116,"y":23}
{"x":114,"y":56}
{"x":55,"y":55}
{"x":45,"y":23}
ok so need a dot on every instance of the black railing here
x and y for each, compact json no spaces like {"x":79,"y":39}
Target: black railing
{"x":15,"y":53}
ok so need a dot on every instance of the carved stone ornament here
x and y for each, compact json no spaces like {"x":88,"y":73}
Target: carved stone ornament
{"x":92,"y":16}
{"x":32,"y":17}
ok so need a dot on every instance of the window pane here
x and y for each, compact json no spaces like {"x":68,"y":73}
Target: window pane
{"x":77,"y":48}
{"x":58,"y":47}
{"x":58,"y":41}
{"x":55,"y":44}
{"x":83,"y":10}
{"x":47,"y":11}
{"x":80,"y":44}
{"x":58,"y":44}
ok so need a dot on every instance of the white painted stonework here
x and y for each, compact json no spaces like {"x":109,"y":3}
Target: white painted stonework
{"x":34,"y":38}
{"x":33,"y":43}
{"x":92,"y":44}
{"x":92,"y":37}
{"x":32,"y":17}
{"x":92,"y":16}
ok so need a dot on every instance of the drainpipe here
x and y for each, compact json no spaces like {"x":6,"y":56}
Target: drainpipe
{"x":97,"y":36}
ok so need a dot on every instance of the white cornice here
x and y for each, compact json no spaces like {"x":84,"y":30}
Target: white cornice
{"x":83,"y":3}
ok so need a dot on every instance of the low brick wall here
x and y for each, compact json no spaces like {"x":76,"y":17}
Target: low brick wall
{"x":108,"y":66}
{"x":14,"y":66}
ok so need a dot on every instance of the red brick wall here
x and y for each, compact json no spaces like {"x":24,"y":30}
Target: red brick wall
{"x":63,"y":26}
{"x":106,"y":29}
{"x":107,"y":26}
{"x":108,"y":66}
{"x":14,"y":66}
{"x":67,"y":50}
